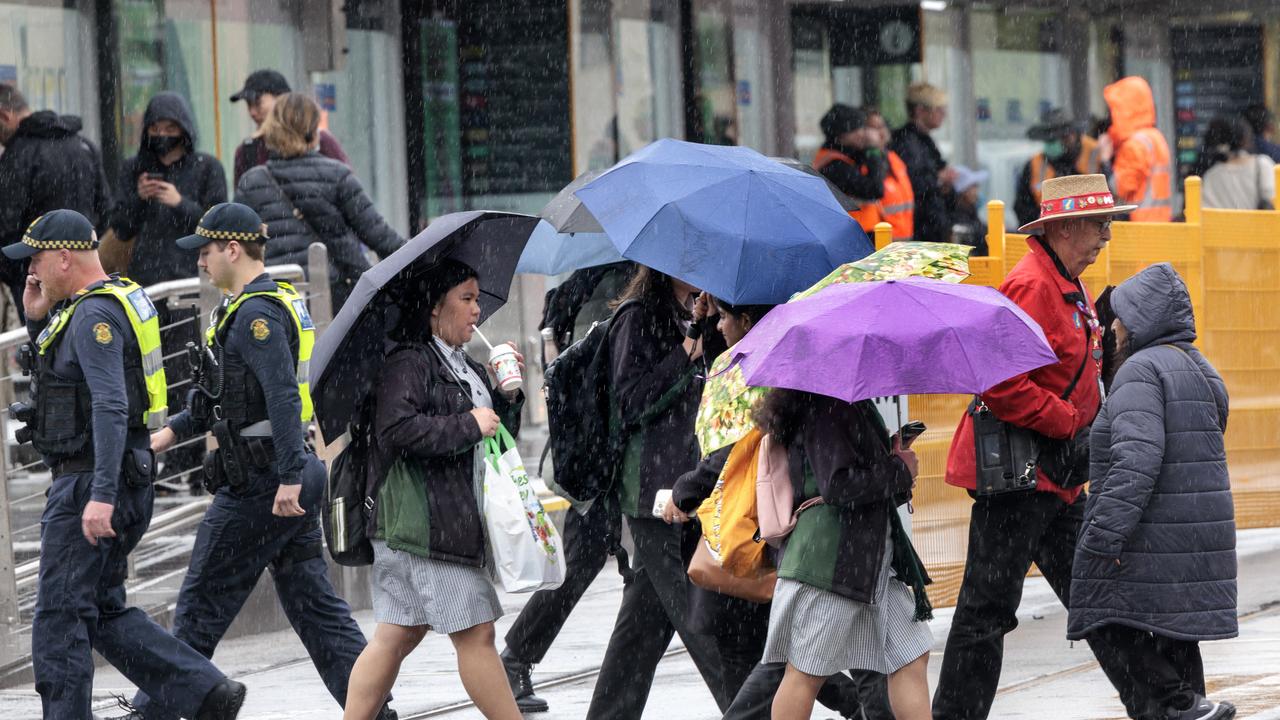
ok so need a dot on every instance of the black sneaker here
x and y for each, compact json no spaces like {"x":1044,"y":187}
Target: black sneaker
{"x":387,"y":714}
{"x":520,"y":676}
{"x":223,"y":701}
{"x":1203,"y":708}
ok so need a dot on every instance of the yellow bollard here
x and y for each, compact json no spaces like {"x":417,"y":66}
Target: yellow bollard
{"x":1275,"y":201}
{"x":883,"y":235}
{"x":1191,"y":191}
{"x":995,"y":228}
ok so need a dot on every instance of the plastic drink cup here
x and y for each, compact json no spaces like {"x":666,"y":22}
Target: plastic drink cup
{"x":504,"y":363}
{"x":506,"y":368}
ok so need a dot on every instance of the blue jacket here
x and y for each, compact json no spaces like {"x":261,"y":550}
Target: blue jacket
{"x":1160,"y":498}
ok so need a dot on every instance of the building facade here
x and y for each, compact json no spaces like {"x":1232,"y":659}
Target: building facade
{"x":446,"y":105}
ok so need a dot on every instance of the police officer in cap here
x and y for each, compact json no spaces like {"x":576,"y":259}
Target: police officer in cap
{"x":252,"y":393}
{"x":98,"y":386}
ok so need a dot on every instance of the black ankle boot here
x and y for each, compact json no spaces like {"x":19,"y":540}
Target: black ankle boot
{"x":519,"y":674}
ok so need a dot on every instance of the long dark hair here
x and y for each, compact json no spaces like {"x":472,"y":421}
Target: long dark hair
{"x":425,"y":293}
{"x":780,"y":412}
{"x":655,"y":289}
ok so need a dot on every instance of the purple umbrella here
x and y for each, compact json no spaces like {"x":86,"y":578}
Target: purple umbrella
{"x":895,"y":337}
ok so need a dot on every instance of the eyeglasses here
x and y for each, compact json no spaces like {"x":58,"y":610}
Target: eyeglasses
{"x":1102,"y":225}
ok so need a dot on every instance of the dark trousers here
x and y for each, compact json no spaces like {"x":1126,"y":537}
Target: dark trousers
{"x":178,"y":326}
{"x":1159,"y":672}
{"x":861,"y":694}
{"x":586,"y":538}
{"x":80,"y":607}
{"x":1006,"y":534}
{"x":238,"y":539}
{"x":653,"y":610}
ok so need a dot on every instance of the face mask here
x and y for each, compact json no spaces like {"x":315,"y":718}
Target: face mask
{"x":160,"y":145}
{"x":1054,"y":149}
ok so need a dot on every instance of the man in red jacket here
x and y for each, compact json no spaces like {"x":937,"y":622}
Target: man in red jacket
{"x":1008,"y":532}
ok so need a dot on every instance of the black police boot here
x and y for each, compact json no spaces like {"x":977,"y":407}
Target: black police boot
{"x":519,"y":674}
{"x":223,"y":701}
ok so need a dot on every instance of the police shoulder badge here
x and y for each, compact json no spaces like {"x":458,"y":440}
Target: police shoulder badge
{"x":260,"y":330}
{"x":102,"y":333}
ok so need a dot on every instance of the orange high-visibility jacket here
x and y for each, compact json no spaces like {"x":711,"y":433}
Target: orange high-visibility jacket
{"x":1142,"y":169}
{"x":1087,"y":163}
{"x":896,"y":207}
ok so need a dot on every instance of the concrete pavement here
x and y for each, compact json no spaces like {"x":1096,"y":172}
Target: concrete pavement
{"x":1045,"y":677}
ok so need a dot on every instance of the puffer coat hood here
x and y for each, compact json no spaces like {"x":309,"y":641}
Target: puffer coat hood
{"x":1157,"y":551}
{"x":1155,"y":307}
{"x":50,"y":125}
{"x":1132,"y":107}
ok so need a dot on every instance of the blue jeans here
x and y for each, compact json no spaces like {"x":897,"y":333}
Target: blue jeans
{"x":238,"y":539}
{"x":80,"y":606}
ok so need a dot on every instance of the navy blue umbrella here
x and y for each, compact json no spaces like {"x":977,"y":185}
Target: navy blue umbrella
{"x":724,"y":219}
{"x":348,"y":356}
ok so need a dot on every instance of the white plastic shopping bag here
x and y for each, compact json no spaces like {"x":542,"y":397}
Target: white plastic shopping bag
{"x":526,"y":545}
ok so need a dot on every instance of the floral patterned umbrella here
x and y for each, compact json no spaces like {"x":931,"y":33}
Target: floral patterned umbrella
{"x":939,"y":261}
{"x":724,"y":416}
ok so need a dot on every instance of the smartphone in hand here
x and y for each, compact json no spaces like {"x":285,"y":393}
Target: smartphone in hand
{"x":909,"y":432}
{"x":660,"y":501}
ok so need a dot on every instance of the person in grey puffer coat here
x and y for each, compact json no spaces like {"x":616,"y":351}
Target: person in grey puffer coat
{"x":303,"y":197}
{"x":1155,"y":565}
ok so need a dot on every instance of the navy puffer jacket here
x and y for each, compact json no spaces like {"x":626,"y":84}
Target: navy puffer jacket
{"x":1160,"y":498}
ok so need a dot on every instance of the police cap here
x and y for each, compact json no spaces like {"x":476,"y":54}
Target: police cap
{"x":226,"y":221}
{"x":57,"y":230}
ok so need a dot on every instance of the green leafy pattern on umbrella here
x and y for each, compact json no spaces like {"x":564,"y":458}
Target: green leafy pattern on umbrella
{"x":724,"y":416}
{"x":899,"y":260}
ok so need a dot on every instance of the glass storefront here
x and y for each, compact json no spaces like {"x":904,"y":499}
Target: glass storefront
{"x":168,"y":45}
{"x":47,"y":51}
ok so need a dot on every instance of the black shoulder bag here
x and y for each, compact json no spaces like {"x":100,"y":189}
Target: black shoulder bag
{"x":1008,"y":456}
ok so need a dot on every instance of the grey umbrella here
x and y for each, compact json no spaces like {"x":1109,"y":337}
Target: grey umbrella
{"x":846,"y":202}
{"x":567,"y":214}
{"x":349,"y":354}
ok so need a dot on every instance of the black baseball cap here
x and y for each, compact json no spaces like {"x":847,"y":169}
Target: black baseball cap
{"x":226,"y":221}
{"x":56,"y":230}
{"x":261,"y":82}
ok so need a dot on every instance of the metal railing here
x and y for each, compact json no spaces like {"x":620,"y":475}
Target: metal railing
{"x":18,"y":578}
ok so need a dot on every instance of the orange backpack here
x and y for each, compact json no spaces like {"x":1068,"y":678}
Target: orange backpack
{"x":728,"y":516}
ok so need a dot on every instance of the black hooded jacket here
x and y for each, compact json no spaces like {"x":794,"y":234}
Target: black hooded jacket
{"x":200,"y":180}
{"x":48,"y":166}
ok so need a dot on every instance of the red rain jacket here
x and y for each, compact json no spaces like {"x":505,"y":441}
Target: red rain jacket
{"x":1033,"y":400}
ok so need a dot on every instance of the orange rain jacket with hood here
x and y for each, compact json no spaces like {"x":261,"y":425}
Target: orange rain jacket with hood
{"x":1142,"y":164}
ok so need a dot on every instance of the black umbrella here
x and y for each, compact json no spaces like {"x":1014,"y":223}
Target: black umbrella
{"x":349,"y":354}
{"x":567,"y":214}
{"x":846,"y":202}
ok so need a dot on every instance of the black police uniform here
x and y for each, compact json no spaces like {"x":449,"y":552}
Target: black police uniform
{"x":256,"y":351}
{"x":90,"y":434}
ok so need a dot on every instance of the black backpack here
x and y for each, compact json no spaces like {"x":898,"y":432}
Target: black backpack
{"x":584,"y":425}
{"x":350,"y":498}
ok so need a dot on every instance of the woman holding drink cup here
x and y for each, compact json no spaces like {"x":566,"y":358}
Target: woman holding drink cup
{"x":434,"y":405}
